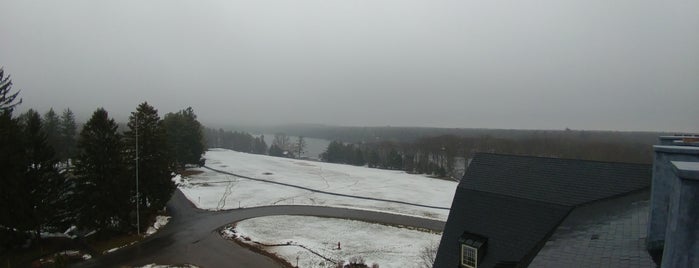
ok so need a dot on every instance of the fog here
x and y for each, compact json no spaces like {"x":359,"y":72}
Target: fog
{"x":550,"y":64}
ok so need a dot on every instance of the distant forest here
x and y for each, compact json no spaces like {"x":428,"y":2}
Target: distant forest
{"x":437,"y":150}
{"x":410,"y":134}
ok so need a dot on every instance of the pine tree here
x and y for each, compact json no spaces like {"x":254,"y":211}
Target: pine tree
{"x":154,"y":158}
{"x":67,"y":133}
{"x":260,"y":147}
{"x":274,"y":150}
{"x":50,"y":124}
{"x":185,"y":137}
{"x":44,"y":188}
{"x":395,"y":161}
{"x":12,"y":167}
{"x":103,"y":190}
{"x":8,"y":100}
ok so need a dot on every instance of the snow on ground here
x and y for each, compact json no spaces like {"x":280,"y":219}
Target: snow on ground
{"x":118,"y":248}
{"x":385,"y":245}
{"x":153,"y":265}
{"x":74,"y":254}
{"x":214,"y":191}
{"x":160,"y":221}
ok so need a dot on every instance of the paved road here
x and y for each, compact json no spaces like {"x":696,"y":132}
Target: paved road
{"x":191,"y":235}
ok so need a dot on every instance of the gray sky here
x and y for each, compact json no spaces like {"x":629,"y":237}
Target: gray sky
{"x":582,"y":64}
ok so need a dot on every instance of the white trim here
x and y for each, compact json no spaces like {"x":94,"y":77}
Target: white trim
{"x":471,"y":250}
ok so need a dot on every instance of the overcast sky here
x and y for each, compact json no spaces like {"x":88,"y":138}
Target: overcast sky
{"x":581,"y":64}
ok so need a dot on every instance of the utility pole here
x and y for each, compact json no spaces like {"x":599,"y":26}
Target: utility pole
{"x":138,"y":214}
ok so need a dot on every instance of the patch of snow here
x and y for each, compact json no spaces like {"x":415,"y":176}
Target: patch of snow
{"x":215,"y":191}
{"x":160,"y":221}
{"x":180,"y":181}
{"x":118,"y":248}
{"x":66,"y":253}
{"x":55,"y":235}
{"x":153,"y":265}
{"x":71,"y":229}
{"x":229,"y":233}
{"x":69,"y":253}
{"x":298,"y":236}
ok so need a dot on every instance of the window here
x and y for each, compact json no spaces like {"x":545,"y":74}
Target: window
{"x":468,"y":256}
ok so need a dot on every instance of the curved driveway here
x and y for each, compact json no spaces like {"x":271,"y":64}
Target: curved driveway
{"x":192,"y":237}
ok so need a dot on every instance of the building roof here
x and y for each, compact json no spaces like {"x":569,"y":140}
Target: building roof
{"x":518,"y":201}
{"x":608,"y":233}
{"x":567,"y":182}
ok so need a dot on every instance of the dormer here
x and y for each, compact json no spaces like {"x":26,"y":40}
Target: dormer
{"x":473,"y":248}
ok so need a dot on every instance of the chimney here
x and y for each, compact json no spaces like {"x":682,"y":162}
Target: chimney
{"x":682,"y":234}
{"x":662,"y":187}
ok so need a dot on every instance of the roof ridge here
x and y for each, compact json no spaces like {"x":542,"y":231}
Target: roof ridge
{"x":560,"y":158}
{"x":635,"y":191}
{"x":522,"y":198}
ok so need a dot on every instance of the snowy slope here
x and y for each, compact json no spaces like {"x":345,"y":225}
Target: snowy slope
{"x":215,"y":191}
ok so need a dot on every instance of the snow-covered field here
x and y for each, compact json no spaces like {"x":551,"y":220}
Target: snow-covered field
{"x":214,"y":191}
{"x":387,"y":246}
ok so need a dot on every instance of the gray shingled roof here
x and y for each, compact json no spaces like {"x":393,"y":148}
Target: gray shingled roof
{"x":513,"y":225}
{"x":609,"y":233}
{"x":518,"y":201}
{"x":567,"y":182}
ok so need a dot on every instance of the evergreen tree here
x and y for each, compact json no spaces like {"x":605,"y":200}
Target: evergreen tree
{"x":7,"y":99}
{"x":185,"y":137}
{"x":50,"y":125}
{"x":260,"y":146}
{"x":67,"y":133}
{"x":103,"y":190}
{"x":334,"y":153}
{"x":395,"y":161}
{"x":44,"y":188}
{"x":12,"y":168}
{"x":358,"y":159}
{"x":274,"y":150}
{"x":154,"y":158}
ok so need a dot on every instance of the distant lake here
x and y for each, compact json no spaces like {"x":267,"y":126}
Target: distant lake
{"x":314,"y":147}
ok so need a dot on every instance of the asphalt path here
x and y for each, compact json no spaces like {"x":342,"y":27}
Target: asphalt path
{"x":191,"y":235}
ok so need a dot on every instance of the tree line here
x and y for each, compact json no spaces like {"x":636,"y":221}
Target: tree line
{"x":234,"y":140}
{"x":54,"y":177}
{"x":282,"y":145}
{"x":438,"y":155}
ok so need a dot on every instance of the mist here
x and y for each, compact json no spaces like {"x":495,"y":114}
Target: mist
{"x":604,"y":65}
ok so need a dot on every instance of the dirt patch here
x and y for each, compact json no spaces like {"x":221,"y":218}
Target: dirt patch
{"x":304,"y":164}
{"x":267,"y":173}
